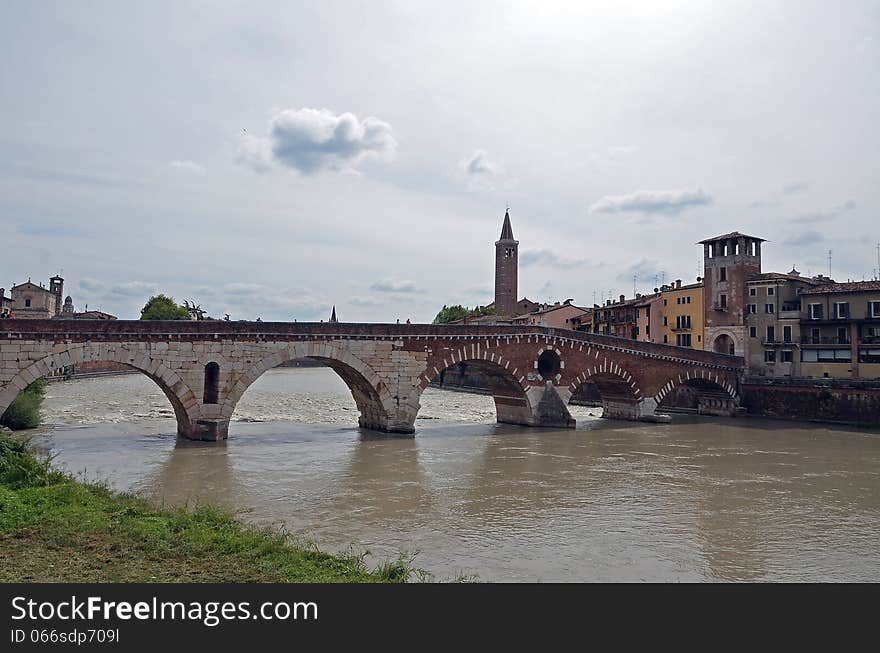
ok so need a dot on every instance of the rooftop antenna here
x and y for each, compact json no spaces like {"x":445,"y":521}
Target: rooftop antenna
{"x":829,"y":263}
{"x":877,"y":276}
{"x":662,"y":277}
{"x":635,"y":276}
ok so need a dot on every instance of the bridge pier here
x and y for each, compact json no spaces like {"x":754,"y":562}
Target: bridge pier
{"x":642,"y":410}
{"x":210,"y":430}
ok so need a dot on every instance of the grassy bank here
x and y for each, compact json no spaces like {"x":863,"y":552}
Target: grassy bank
{"x":54,"y":528}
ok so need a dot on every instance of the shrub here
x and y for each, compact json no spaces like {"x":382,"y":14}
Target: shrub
{"x":24,"y":411}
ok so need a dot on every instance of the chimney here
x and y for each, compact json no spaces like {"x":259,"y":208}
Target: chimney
{"x":678,"y":283}
{"x":607,"y":302}
{"x":622,"y":298}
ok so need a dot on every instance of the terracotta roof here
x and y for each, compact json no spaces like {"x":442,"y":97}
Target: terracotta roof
{"x":850,"y":286}
{"x":774,"y":276}
{"x":732,"y":234}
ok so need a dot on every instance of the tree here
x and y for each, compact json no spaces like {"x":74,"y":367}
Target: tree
{"x":449,"y":314}
{"x":162,"y":307}
{"x":24,"y":411}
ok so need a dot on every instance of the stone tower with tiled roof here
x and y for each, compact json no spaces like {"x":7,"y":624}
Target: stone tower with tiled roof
{"x":506,"y":264}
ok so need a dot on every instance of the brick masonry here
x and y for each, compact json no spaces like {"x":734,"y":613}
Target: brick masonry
{"x":386,"y":366}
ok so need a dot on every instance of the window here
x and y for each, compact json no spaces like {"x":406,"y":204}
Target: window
{"x":508,"y":253}
{"x":768,"y":308}
{"x":688,"y":299}
{"x":212,"y":383}
{"x":753,"y":332}
{"x":27,"y":302}
{"x":665,"y":321}
{"x":723,"y":299}
{"x":753,"y":292}
{"x":875,"y":309}
{"x":665,"y":339}
{"x":753,"y":246}
{"x":699,"y":338}
{"x":771,"y":334}
{"x":770,"y":356}
{"x":771,"y":291}
{"x":826,"y":355}
{"x":683,"y":340}
{"x":678,"y":300}
{"x":736,"y":248}
{"x":664,"y":302}
{"x":815,"y":311}
{"x":724,"y":248}
{"x":841,"y":310}
{"x":785,"y":356}
{"x":870,"y":356}
{"x":786,"y":334}
{"x":842,"y":336}
{"x":815,"y":336}
{"x":723,"y":274}
{"x":752,"y":308}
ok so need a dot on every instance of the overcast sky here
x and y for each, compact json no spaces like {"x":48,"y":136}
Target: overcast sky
{"x":273,"y":159}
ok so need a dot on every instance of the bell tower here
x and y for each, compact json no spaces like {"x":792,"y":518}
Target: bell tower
{"x":506,"y":264}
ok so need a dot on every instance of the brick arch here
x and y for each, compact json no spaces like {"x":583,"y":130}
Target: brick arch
{"x":373,"y":399}
{"x":507,"y":383}
{"x":619,"y":390}
{"x":706,"y":386}
{"x":181,"y":397}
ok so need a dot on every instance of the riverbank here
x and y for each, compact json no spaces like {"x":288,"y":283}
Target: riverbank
{"x":54,"y":528}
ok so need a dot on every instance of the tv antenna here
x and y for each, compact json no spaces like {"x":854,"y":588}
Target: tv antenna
{"x":829,"y":263}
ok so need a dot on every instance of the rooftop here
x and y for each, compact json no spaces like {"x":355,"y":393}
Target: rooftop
{"x":780,"y":276}
{"x":732,"y":234}
{"x":849,"y":286}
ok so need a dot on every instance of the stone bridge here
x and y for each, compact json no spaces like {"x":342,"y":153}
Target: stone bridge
{"x":204,"y":367}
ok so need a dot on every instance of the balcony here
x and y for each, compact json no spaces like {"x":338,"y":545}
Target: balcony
{"x":719,"y":307}
{"x":789,"y":315}
{"x":825,"y":340}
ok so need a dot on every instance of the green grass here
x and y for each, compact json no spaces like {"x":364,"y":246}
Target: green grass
{"x":54,"y":528}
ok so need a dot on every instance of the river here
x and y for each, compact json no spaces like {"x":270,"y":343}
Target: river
{"x":701,"y":499}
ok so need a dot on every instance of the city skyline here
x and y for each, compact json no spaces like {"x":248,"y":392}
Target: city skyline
{"x":364,"y":157}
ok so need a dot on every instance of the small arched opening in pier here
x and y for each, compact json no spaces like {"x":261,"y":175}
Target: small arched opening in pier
{"x":724,"y":344}
{"x":212,"y":383}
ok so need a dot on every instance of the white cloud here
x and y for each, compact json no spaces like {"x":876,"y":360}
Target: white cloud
{"x":134,"y":289}
{"x":480,"y":173}
{"x":550,"y":259}
{"x":393,"y":286}
{"x":313,"y":140}
{"x":666,"y":202}
{"x":188,"y":166}
{"x":90,"y":285}
{"x":827,"y":214}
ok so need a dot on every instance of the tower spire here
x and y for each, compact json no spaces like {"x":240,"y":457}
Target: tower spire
{"x":506,"y":229}
{"x":333,"y":319}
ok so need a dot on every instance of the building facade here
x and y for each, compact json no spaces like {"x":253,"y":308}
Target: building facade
{"x":683,"y":312}
{"x":35,"y":301}
{"x":840,"y":330}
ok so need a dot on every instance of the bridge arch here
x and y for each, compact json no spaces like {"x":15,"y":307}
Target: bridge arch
{"x":181,"y":397}
{"x":513,"y":403}
{"x":703,"y":391}
{"x":377,"y":406}
{"x":618,"y":390}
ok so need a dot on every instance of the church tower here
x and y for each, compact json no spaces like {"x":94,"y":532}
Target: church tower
{"x":506,"y":257}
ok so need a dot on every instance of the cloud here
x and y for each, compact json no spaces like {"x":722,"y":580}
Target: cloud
{"x":395,"y":286}
{"x":90,"y":285}
{"x":804,"y":239}
{"x":310,"y":141}
{"x":550,"y":259}
{"x":134,"y":288}
{"x":665,"y":202}
{"x":479,"y":172}
{"x":827,"y":214}
{"x":644,"y":270}
{"x":188,"y":166}
{"x":796,"y":187}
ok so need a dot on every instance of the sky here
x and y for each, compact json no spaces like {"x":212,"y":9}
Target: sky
{"x":273,"y":159}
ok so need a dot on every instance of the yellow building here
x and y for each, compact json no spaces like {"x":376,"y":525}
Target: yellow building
{"x":682,"y":311}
